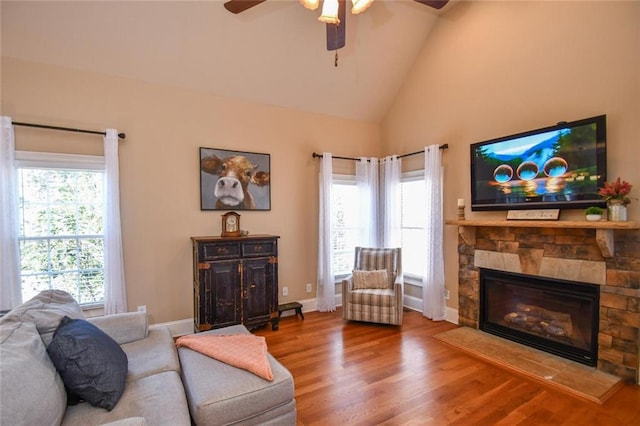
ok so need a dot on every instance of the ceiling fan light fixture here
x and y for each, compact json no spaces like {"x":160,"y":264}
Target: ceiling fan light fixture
{"x":360,"y":6}
{"x":310,"y":4}
{"x":330,"y":12}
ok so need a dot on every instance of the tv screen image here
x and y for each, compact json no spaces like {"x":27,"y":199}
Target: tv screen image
{"x":560,"y":166}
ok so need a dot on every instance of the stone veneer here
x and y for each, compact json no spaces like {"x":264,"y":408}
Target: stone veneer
{"x":569,"y":254}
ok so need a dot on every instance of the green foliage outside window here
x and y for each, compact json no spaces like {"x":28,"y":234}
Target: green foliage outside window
{"x":61,"y":232}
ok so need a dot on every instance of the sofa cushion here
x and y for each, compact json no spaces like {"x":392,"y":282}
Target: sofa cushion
{"x":370,"y":279}
{"x":45,"y":310}
{"x":241,"y":395}
{"x":92,"y":365}
{"x":31,"y":391}
{"x":158,"y":398}
{"x":123,"y":328}
{"x":152,"y":355}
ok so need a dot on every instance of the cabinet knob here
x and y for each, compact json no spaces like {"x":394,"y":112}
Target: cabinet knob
{"x":222,"y":250}
{"x":257,"y":249}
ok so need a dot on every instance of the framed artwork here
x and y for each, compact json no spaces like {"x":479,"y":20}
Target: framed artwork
{"x":234,"y":180}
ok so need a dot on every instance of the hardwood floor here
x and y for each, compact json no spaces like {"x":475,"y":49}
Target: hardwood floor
{"x":350,"y":373}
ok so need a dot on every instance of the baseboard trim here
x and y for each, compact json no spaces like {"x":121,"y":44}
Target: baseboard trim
{"x":185,"y":326}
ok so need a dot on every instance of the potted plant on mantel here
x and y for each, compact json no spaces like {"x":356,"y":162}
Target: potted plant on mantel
{"x":616,"y":195}
{"x":593,"y":214}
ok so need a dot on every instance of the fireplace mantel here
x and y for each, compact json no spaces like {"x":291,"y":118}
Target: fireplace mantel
{"x":604,"y":229}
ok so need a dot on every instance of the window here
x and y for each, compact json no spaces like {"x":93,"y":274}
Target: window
{"x":413,"y":198}
{"x":61,"y":225}
{"x":344,"y":211}
{"x":344,"y":235}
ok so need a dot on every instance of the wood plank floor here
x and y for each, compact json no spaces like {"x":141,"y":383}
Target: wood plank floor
{"x":350,"y":373}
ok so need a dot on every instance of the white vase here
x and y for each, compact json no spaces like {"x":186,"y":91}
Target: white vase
{"x":617,"y":213}
{"x":594,"y":217}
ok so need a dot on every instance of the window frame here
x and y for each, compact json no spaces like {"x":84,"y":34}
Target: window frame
{"x":342,"y":179}
{"x":411,"y":176}
{"x":61,"y":161}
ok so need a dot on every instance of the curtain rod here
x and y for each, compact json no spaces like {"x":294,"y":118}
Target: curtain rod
{"x":66,"y":129}
{"x":316,"y":155}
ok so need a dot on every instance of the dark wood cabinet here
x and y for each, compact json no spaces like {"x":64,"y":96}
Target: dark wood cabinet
{"x":235,"y":281}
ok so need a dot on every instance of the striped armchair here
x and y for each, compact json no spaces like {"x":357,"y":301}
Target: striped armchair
{"x":380,"y":305}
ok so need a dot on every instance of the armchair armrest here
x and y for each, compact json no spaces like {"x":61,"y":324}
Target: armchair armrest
{"x":123,"y":328}
{"x":347,"y":283}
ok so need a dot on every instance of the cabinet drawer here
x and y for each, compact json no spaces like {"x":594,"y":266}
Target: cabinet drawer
{"x":259,"y":248}
{"x":219,"y":251}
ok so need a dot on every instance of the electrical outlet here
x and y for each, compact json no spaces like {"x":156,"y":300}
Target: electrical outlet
{"x":285,"y":291}
{"x":308,"y":287}
{"x":446,"y":294}
{"x":142,"y":308}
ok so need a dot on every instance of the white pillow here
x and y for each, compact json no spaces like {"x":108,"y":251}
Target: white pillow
{"x":370,"y":279}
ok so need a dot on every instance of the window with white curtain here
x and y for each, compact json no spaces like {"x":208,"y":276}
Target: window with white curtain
{"x":344,"y":220}
{"x":412,"y":224}
{"x":344,"y":234}
{"x":61,"y":225}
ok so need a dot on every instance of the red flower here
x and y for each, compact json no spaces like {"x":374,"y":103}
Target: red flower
{"x":617,"y":190}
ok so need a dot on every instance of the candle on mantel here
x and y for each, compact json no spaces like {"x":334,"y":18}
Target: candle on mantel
{"x":460,"y":208}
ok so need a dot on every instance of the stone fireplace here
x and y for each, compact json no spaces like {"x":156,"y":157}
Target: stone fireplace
{"x":570,"y":251}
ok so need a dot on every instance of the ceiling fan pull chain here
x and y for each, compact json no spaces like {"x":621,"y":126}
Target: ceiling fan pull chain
{"x":335,"y":60}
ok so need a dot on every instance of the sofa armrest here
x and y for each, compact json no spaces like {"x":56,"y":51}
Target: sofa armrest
{"x":123,"y":328}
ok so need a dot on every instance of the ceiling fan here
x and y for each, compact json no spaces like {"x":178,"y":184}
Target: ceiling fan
{"x":335,"y":31}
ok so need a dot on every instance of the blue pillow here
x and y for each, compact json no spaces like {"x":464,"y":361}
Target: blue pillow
{"x":92,"y":365}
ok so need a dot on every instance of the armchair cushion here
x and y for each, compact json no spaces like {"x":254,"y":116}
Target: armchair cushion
{"x":370,"y":279}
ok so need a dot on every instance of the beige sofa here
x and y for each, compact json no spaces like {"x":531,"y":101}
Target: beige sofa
{"x":32,"y":391}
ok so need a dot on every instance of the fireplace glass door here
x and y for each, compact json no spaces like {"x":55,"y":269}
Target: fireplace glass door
{"x":560,"y":317}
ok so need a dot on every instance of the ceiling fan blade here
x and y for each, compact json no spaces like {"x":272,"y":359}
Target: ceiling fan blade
{"x":237,"y":6}
{"x":436,"y":4}
{"x":336,"y":32}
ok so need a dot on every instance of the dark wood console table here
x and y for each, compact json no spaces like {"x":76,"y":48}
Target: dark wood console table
{"x":235,"y":281}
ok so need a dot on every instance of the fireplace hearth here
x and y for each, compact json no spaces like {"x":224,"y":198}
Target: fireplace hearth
{"x":557,"y":316}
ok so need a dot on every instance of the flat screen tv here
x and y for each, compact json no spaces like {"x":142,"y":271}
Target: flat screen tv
{"x":560,"y":166}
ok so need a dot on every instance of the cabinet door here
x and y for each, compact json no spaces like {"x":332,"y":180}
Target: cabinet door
{"x":260,"y":298}
{"x":222,"y":293}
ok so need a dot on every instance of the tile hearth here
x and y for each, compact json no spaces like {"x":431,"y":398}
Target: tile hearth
{"x":559,"y":373}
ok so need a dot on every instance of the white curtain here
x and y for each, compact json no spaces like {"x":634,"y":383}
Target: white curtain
{"x":326,"y":288}
{"x":10,"y":286}
{"x":115,"y":295}
{"x":391,"y":202}
{"x":433,"y":279}
{"x":367,"y":182}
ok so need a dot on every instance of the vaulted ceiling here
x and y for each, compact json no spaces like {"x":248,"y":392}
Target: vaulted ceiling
{"x":274,"y":53}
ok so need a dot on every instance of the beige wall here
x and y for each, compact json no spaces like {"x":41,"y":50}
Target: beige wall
{"x":160,"y":169}
{"x":490,"y":69}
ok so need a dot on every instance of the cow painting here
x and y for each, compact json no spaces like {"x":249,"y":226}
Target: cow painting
{"x":232,"y":180}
